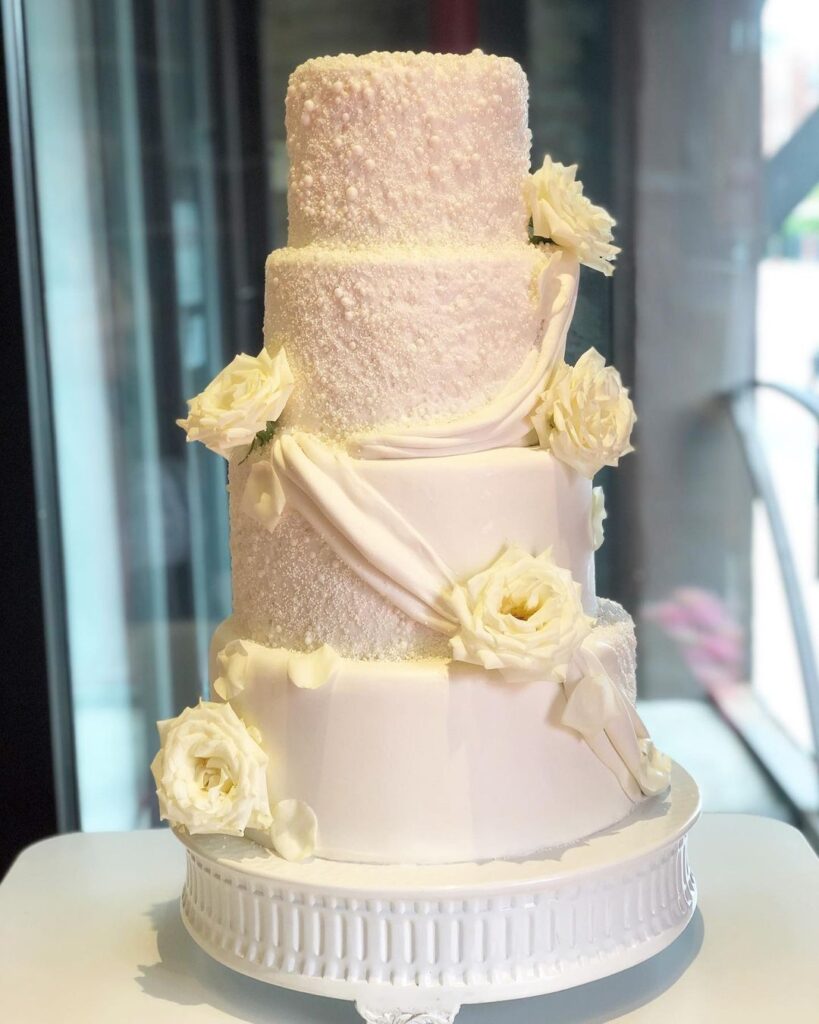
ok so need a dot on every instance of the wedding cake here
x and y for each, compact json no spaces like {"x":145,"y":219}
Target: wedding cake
{"x":417,"y":668}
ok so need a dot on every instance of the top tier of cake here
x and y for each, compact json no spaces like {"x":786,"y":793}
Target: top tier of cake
{"x":393,"y":148}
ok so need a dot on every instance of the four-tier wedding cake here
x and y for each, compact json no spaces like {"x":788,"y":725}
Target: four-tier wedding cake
{"x":417,"y":668}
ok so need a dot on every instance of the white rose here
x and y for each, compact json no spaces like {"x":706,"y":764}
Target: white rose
{"x":240,"y":401}
{"x":562,"y":213}
{"x":585,"y":416}
{"x":523,"y":616}
{"x":210,"y":772}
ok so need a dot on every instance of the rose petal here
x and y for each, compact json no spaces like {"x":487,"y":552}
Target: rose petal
{"x":294,"y":830}
{"x":234,"y":670}
{"x":310,"y":671}
{"x":263,"y":497}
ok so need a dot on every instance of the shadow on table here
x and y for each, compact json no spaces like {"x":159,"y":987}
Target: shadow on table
{"x":187,"y":976}
{"x":604,"y":1000}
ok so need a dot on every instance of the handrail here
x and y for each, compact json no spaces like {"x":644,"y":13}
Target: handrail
{"x":808,"y":400}
{"x":742,"y":407}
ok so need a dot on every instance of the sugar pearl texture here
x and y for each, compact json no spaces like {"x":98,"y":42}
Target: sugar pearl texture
{"x":404,"y":334}
{"x":397,"y":111}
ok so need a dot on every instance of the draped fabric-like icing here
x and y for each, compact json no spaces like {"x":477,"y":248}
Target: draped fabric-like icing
{"x":388,"y":552}
{"x":504,"y":422}
{"x":364,"y":530}
{"x":608,"y":722}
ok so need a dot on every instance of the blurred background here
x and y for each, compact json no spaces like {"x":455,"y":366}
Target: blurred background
{"x":146,"y":141}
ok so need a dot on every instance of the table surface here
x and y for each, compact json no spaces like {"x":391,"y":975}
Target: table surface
{"x":90,"y":931}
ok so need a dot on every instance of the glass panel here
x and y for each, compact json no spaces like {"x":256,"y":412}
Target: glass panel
{"x":146,"y":299}
{"x":697,"y":176}
{"x":161,"y":171}
{"x":728,"y":159}
{"x":160,"y":178}
{"x":787,"y":351}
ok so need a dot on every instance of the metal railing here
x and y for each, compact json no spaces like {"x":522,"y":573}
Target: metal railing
{"x":743,"y":411}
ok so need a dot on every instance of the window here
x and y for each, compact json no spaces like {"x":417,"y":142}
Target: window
{"x":157,"y":185}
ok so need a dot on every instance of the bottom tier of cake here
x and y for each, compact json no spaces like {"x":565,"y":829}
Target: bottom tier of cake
{"x":430,"y":761}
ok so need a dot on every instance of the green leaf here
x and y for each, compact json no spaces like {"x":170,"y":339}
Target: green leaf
{"x":537,"y":239}
{"x":262,"y":438}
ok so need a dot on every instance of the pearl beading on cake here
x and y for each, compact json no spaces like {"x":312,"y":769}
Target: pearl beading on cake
{"x":391,"y":147}
{"x":401,"y":334}
{"x":616,"y":627}
{"x":291,"y":590}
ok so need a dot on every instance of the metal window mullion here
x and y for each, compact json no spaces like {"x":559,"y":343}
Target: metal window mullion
{"x":203,"y":559}
{"x":161,"y":686}
{"x":39,"y":385}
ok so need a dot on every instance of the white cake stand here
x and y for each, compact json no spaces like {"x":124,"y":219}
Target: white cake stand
{"x":411,"y":944}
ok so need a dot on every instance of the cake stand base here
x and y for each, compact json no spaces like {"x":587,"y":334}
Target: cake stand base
{"x":411,"y":944}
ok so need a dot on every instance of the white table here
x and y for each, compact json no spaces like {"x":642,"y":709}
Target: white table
{"x":90,"y":932}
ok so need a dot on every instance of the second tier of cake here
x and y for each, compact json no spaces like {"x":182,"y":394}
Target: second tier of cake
{"x":404,"y":335}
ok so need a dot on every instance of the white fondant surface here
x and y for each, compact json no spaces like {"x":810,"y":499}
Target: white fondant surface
{"x":291,"y":590}
{"x":473,"y":506}
{"x":428,"y":761}
{"x":395,"y":147}
{"x":401,"y":335}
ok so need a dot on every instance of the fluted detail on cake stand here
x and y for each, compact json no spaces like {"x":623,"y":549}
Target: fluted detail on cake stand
{"x":409,"y":946}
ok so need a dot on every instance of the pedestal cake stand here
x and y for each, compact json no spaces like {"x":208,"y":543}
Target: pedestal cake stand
{"x":412,"y":944}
